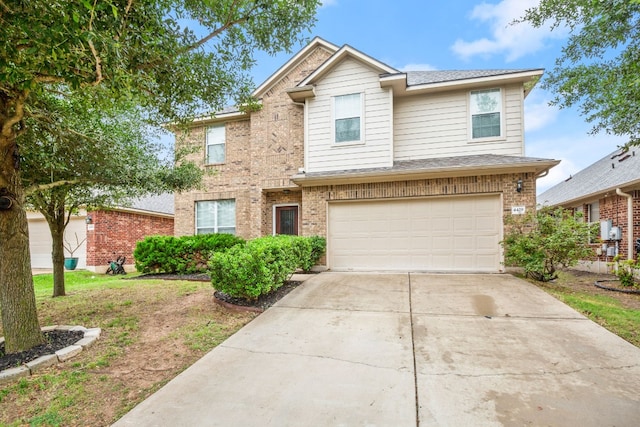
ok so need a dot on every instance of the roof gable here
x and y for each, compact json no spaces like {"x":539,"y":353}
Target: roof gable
{"x":345,"y":52}
{"x":317,"y":42}
{"x":620,"y":169}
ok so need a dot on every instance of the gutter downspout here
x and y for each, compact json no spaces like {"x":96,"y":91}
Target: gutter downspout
{"x":629,"y":222}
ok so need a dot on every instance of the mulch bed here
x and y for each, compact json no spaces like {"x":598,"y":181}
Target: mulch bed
{"x":260,"y":304}
{"x":55,"y":340}
{"x":264,"y":301}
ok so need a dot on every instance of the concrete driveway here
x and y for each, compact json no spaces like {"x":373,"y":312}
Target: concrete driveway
{"x":350,"y":349}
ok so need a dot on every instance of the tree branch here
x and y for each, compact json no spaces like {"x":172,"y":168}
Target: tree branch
{"x":5,"y":7}
{"x":99,"y":77}
{"x":42,"y":187}
{"x":18,"y":115}
{"x":230,"y":23}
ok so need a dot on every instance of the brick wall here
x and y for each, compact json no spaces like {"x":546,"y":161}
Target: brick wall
{"x":262,"y":152}
{"x":615,"y":209}
{"x":116,"y":231}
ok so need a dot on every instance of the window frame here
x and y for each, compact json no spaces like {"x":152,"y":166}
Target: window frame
{"x":208,"y":144}
{"x":335,"y":117}
{"x":216,"y":220}
{"x":500,"y":111}
{"x":275,"y":216}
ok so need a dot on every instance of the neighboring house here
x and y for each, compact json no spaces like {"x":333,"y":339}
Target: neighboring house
{"x":398,"y":170}
{"x":607,"y":191}
{"x":104,"y":232}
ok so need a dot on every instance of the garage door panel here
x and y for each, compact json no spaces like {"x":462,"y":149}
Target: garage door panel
{"x":439,"y":234}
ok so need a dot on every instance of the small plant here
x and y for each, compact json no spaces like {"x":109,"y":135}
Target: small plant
{"x":625,"y":270}
{"x":72,"y":248}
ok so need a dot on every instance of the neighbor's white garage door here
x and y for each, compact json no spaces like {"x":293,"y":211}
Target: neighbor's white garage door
{"x":40,"y":241}
{"x":435,"y":234}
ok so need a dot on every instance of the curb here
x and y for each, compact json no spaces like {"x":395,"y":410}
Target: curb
{"x":62,"y":355}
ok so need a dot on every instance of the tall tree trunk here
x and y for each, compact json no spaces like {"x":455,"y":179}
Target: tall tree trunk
{"x":17,"y":296}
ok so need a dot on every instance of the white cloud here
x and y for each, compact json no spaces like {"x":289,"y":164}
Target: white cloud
{"x":514,"y":41}
{"x":538,"y":114}
{"x":418,"y":67}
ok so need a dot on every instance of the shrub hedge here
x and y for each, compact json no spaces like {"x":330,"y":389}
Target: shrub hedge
{"x":180,"y":255}
{"x":263,"y":265}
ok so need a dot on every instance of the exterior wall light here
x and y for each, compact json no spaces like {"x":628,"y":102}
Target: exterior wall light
{"x":89,"y":220}
{"x":519,"y":186}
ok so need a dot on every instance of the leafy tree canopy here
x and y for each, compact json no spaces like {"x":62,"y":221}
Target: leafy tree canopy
{"x":172,"y":58}
{"x":599,"y":69}
{"x":178,"y":57}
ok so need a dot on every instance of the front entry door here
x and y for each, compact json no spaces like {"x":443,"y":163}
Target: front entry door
{"x":287,"y":220}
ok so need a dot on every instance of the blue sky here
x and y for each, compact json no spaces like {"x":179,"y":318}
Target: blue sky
{"x":464,"y":34}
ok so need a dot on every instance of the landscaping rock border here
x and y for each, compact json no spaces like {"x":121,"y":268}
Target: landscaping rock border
{"x":89,"y":338}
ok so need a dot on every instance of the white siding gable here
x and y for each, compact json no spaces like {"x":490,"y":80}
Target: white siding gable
{"x":438,"y":125}
{"x":322,"y":153}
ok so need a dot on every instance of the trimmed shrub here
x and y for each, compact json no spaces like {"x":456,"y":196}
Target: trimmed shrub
{"x":318,"y":248}
{"x":180,"y":255}
{"x":262,"y":265}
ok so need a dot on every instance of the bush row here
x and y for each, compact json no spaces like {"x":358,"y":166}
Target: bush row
{"x":263,"y":265}
{"x":180,"y":255}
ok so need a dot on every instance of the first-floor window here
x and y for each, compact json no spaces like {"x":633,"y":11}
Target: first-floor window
{"x":216,"y":216}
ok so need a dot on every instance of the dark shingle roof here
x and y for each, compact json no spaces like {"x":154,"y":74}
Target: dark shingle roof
{"x":415,"y":78}
{"x":617,"y":169}
{"x":441,"y":164}
{"x":162,"y":203}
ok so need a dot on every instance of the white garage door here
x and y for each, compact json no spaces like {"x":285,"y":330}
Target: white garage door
{"x":435,"y":234}
{"x":40,"y":241}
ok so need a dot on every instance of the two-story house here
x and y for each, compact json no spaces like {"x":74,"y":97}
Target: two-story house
{"x":398,"y":170}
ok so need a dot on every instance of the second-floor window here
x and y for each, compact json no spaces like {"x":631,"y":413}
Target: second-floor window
{"x":486,"y":113}
{"x":216,"y":216}
{"x":215,"y":144}
{"x":347,"y":112}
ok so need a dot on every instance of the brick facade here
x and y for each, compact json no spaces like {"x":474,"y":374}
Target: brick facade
{"x":615,"y":209}
{"x":117,"y":232}
{"x":262,"y":153}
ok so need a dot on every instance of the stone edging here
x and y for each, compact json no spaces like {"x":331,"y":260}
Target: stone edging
{"x":89,"y":338}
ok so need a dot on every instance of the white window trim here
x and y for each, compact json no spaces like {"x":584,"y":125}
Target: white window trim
{"x":206,"y":144}
{"x":284,"y":205}
{"x":503,"y":136}
{"x":216,"y":226}
{"x":362,"y":139}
